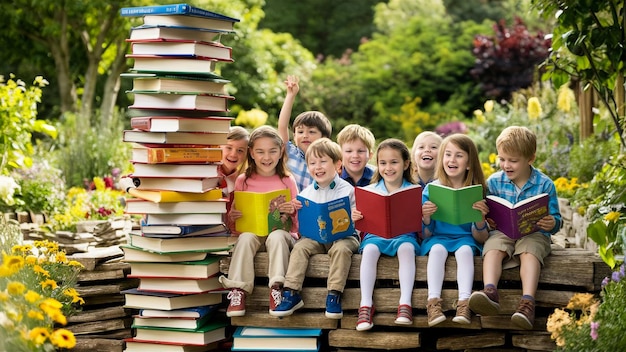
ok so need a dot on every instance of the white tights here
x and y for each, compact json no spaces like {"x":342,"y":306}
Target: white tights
{"x":437,"y":265}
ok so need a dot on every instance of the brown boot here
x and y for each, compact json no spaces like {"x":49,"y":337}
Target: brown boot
{"x":435,"y":314}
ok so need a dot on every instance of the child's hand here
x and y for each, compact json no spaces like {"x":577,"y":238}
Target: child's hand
{"x":356,"y":215}
{"x":428,"y":209}
{"x":481,"y":206}
{"x":292,"y":85}
{"x":286,"y":208}
{"x":296,"y":203}
{"x":234,"y":214}
{"x":546,"y":223}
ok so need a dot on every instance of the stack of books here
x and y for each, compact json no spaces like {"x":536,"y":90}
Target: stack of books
{"x":179,"y":122}
{"x":276,"y":339}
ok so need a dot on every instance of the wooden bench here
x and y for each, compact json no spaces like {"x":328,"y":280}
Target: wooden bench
{"x":566,"y":272}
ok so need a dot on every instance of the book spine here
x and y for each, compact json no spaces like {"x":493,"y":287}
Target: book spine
{"x":173,"y":9}
{"x":179,"y":155}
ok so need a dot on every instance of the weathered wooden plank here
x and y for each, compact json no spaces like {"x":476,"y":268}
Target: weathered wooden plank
{"x":99,"y":314}
{"x":463,"y":341}
{"x":95,"y":344}
{"x":99,"y":326}
{"x":581,"y":269}
{"x":503,"y":322}
{"x":388,"y":340}
{"x":300,"y":320}
{"x":534,"y":341}
{"x":115,"y":334}
{"x":419,"y":321}
{"x":87,"y":276}
{"x":109,"y":299}
{"x":95,"y":290}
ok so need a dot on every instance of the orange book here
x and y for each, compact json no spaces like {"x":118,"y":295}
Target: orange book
{"x":175,"y":155}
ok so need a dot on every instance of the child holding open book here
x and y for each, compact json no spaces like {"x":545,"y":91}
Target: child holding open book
{"x":458,"y":166}
{"x":323,"y":159}
{"x":516,"y":181}
{"x":266,"y":171}
{"x":394,"y":172}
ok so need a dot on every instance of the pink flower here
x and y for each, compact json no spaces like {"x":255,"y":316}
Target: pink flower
{"x":594,"y":330}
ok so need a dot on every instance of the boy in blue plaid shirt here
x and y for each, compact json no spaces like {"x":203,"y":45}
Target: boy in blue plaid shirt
{"x":516,"y":181}
{"x":308,"y":127}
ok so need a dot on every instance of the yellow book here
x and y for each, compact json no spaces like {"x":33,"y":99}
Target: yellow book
{"x":176,"y":155}
{"x":260,"y":213}
{"x":173,"y":196}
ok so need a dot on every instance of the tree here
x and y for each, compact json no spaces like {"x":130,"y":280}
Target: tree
{"x":588,"y":45}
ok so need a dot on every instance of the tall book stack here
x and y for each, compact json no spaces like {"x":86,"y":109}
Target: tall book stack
{"x":179,"y":122}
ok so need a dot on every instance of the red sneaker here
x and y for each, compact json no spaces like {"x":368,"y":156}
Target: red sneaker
{"x":237,"y":306}
{"x":276,"y":296}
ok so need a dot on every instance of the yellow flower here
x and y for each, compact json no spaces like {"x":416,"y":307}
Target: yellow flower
{"x":58,"y":317}
{"x":74,"y":294}
{"x":480,"y":118}
{"x":50,"y":304}
{"x":4,"y":296}
{"x":489,"y":105}
{"x":39,"y":335}
{"x":63,"y":338}
{"x":49,"y":283}
{"x":31,"y":296}
{"x":12,"y":261}
{"x":534,"y":108}
{"x":581,"y":301}
{"x":30,"y":259}
{"x":15,"y":288}
{"x":492,"y":158}
{"x":40,"y":270}
{"x":75,"y":263}
{"x":61,"y":258}
{"x":612,"y":216}
{"x":565,"y":98}
{"x":35,"y":315}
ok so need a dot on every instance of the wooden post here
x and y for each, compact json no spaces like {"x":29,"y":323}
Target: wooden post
{"x":585,"y":105}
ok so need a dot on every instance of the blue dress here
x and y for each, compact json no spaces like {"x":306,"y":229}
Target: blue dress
{"x":389,"y":246}
{"x":452,"y":237}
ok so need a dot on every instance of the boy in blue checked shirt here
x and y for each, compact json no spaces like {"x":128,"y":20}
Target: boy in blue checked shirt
{"x":307,"y":128}
{"x":323,"y":159}
{"x":516,"y":181}
{"x":357,"y":143}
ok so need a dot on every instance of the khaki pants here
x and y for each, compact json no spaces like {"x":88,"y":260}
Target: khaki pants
{"x":340,"y":253}
{"x":241,"y":271}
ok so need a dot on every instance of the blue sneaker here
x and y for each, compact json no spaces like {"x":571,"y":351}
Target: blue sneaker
{"x":290,"y":303}
{"x":333,"y":306}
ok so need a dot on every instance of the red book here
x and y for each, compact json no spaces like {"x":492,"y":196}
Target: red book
{"x":389,"y":215}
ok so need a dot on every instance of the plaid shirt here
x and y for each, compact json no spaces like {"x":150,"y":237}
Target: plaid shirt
{"x":499,"y":185}
{"x":297,"y":165}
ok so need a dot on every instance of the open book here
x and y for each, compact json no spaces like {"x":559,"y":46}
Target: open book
{"x":389,"y":215}
{"x":454,"y":205}
{"x":519,"y":219}
{"x":260,"y":214}
{"x":325,"y":222}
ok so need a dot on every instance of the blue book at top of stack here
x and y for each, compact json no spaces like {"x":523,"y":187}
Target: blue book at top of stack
{"x":173,"y":9}
{"x":248,"y":338}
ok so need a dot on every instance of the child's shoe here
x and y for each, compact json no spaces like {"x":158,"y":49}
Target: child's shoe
{"x":405,"y":315}
{"x":237,"y":305}
{"x":524,"y":317}
{"x":365,"y":321}
{"x":435,"y":314}
{"x":463,"y":313}
{"x":333,"y":306}
{"x":485,"y":302}
{"x":276,"y":296}
{"x":290,"y":303}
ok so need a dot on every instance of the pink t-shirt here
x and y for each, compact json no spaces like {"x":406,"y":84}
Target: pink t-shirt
{"x":257,"y":183}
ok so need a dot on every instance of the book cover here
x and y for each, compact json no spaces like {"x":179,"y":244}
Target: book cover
{"x":173,"y":9}
{"x":454,"y":205}
{"x":389,"y":215}
{"x":173,"y":196}
{"x":190,"y":21}
{"x":325,"y":222}
{"x":205,"y":102}
{"x":167,"y":301}
{"x":275,"y":339}
{"x":140,"y":206}
{"x":175,"y":155}
{"x":186,"y":138}
{"x":148,"y":32}
{"x":202,"y":269}
{"x":136,"y":254}
{"x":184,"y":313}
{"x":175,"y":170}
{"x":177,"y":285}
{"x":184,"y":219}
{"x":174,"y":230}
{"x":260,"y":214}
{"x":210,"y":332}
{"x":181,"y":84}
{"x":192,"y":65}
{"x":133,"y":345}
{"x":181,"y":124}
{"x":211,"y":50}
{"x":176,"y":323}
{"x":519,"y":219}
{"x":188,"y":185}
{"x":184,"y":244}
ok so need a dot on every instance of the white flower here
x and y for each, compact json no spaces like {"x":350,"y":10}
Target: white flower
{"x":8,"y":186}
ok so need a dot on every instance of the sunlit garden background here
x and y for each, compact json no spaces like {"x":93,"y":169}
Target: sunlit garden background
{"x":398,"y":67}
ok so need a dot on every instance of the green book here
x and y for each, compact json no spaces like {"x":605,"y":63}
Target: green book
{"x":454,"y":205}
{"x":210,"y":332}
